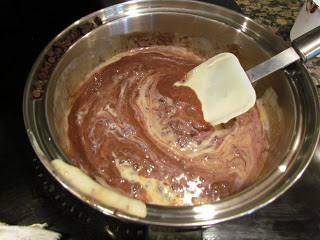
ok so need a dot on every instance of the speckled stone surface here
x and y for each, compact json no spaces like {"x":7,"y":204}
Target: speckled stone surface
{"x":279,"y":16}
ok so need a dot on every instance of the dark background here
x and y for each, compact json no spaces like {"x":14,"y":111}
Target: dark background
{"x":29,"y":195}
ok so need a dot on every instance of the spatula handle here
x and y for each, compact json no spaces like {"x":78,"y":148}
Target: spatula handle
{"x":308,"y":45}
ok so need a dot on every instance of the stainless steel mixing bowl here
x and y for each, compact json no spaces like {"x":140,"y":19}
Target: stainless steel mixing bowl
{"x":207,"y":29}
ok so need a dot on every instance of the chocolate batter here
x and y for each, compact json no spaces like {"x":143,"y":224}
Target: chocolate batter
{"x":132,"y":130}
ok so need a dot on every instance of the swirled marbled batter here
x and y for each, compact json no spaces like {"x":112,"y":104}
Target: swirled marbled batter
{"x":132,"y":130}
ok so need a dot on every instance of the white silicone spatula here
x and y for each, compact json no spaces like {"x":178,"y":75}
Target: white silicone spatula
{"x":225,"y":89}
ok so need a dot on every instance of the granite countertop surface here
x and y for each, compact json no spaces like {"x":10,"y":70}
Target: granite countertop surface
{"x":279,"y":16}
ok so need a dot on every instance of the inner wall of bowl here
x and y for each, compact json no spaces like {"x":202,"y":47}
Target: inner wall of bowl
{"x":203,"y":35}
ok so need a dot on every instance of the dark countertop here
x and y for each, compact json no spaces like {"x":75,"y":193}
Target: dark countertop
{"x":279,"y":16}
{"x":28,"y":195}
